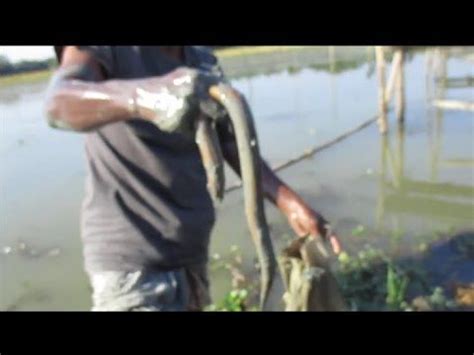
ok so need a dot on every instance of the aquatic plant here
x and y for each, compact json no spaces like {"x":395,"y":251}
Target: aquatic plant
{"x":234,"y":301}
{"x":397,"y":283}
{"x":243,"y":288}
{"x":369,"y":279}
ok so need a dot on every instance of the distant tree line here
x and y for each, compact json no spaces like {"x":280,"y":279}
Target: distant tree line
{"x":9,"y":68}
{"x":24,"y":66}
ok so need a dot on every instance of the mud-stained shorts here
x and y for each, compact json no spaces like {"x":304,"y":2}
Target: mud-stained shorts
{"x":149,"y":290}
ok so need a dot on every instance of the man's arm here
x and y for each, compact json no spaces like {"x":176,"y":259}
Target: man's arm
{"x":302,"y":218}
{"x":81,"y":98}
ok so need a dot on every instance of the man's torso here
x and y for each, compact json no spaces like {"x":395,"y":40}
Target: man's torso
{"x":146,"y":202}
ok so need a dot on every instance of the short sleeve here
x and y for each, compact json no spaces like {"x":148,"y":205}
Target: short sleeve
{"x":103,"y":54}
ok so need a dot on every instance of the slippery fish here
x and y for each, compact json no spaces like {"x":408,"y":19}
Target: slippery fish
{"x":212,"y":158}
{"x":249,"y":156}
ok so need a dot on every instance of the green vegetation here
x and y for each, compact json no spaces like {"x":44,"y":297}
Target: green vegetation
{"x":241,"y":51}
{"x":243,"y":288}
{"x":370,"y":280}
{"x":25,"y":78}
{"x":234,"y":301}
{"x":25,"y":71}
{"x":24,"y":66}
{"x":397,"y":283}
{"x":358,"y":231}
{"x":339,"y":66}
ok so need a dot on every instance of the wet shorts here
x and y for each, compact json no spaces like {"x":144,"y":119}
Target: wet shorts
{"x":150,"y":290}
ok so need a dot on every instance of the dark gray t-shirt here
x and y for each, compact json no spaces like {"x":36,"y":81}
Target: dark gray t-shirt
{"x":146,"y":203}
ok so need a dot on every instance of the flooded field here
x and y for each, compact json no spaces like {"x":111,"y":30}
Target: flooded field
{"x":401,"y":193}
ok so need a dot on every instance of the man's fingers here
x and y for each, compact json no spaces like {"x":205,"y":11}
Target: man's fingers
{"x":296,"y":225}
{"x":332,"y":238}
{"x":335,"y":244}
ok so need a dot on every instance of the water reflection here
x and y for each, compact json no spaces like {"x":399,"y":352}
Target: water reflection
{"x":398,"y":193}
{"x":11,"y":94}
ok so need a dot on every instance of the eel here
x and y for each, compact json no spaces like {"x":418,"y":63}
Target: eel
{"x":211,"y":155}
{"x":249,"y":157}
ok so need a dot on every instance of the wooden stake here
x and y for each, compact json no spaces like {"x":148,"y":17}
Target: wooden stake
{"x":397,"y":57}
{"x":400,"y":87}
{"x":332,"y":58}
{"x":379,"y":57}
{"x":454,"y":105}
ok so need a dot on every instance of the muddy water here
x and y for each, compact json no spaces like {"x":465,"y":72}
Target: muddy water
{"x":395,"y":193}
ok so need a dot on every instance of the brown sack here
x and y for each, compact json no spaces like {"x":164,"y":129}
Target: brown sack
{"x":309,"y":283}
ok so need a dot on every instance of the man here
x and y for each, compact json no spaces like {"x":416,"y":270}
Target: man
{"x":147,"y":215}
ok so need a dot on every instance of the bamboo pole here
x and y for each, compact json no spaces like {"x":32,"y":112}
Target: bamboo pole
{"x":400,"y":87}
{"x":397,"y":57}
{"x":392,"y":165}
{"x":379,"y":209}
{"x":400,"y":153}
{"x":429,"y":74}
{"x":454,"y":105}
{"x":440,"y":73}
{"x":459,"y":82}
{"x":332,"y":58}
{"x":436,"y":149}
{"x":382,"y":122}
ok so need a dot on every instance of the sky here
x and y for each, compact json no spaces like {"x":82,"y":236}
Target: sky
{"x":17,"y":53}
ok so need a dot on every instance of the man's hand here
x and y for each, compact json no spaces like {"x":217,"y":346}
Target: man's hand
{"x":173,"y":100}
{"x":305,"y":221}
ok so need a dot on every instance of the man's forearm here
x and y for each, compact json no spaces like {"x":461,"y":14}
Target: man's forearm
{"x":82,"y":106}
{"x":274,"y":189}
{"x":278,"y":191}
